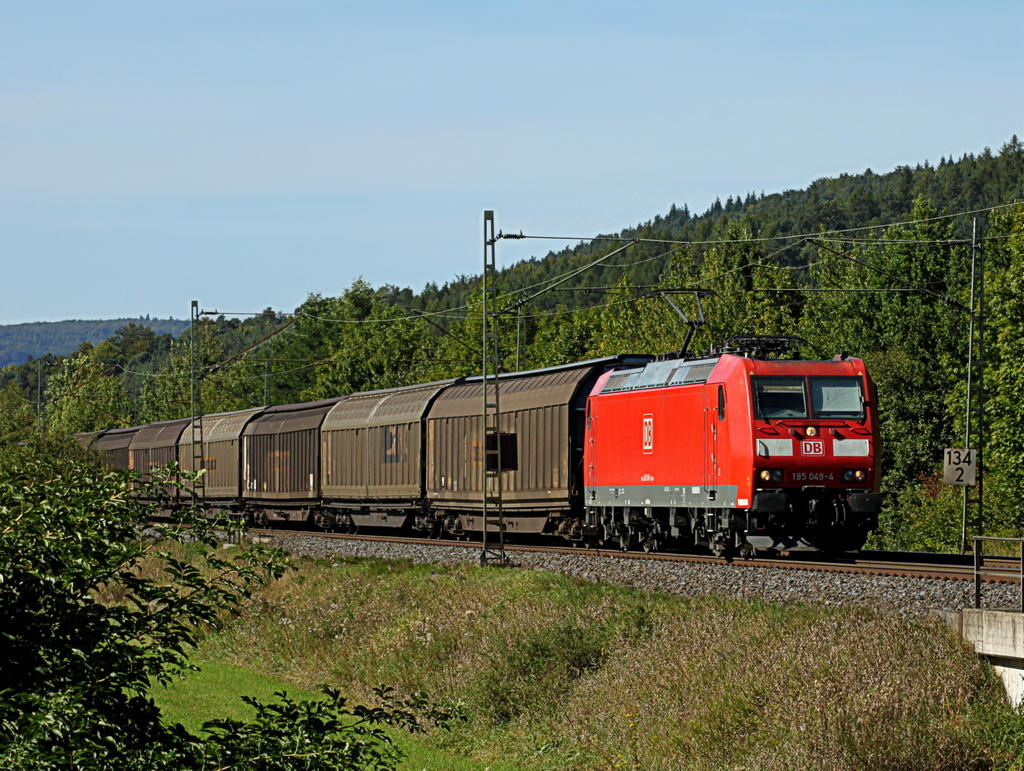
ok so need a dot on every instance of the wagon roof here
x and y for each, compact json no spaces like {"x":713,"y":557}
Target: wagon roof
{"x":163,"y":434}
{"x":222,"y":426}
{"x":86,"y":438}
{"x":386,"y":407}
{"x":116,"y":438}
{"x":285,"y":418}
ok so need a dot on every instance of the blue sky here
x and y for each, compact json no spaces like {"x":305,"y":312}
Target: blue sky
{"x":248,"y":153}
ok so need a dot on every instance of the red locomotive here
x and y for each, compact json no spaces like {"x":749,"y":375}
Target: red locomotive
{"x":740,"y":451}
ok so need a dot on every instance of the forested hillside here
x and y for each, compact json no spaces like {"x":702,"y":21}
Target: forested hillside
{"x":849,"y":201}
{"x":20,"y":342}
{"x":775,"y":264}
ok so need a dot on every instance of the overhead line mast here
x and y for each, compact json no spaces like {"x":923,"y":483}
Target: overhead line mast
{"x":491,"y":439}
{"x":195,"y":369}
{"x":490,"y":449}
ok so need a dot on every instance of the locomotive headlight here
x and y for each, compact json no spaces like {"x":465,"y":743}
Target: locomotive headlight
{"x":811,"y":430}
{"x":766,"y":475}
{"x":771,"y":475}
{"x":855,"y":475}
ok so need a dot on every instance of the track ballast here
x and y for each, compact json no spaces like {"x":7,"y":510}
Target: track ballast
{"x":899,"y":585}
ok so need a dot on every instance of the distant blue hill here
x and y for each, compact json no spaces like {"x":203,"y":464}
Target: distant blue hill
{"x":20,"y":342}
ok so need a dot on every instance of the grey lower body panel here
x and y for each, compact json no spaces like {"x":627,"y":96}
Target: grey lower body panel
{"x":679,"y":496}
{"x":775,"y":520}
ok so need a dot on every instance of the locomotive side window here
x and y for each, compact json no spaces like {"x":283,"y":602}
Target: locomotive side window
{"x":837,"y":397}
{"x":779,"y":397}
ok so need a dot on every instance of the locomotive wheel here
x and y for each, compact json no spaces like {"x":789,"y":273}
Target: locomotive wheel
{"x":650,"y":545}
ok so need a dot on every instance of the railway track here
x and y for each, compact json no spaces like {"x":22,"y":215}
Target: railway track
{"x":954,"y":567}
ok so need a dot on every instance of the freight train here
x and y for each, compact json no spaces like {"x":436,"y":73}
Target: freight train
{"x":748,"y":449}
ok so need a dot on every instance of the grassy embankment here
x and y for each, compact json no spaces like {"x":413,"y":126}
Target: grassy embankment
{"x":216,"y":690}
{"x":561,"y":674}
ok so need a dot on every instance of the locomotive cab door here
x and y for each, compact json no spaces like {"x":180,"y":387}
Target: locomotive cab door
{"x":713,"y":411}
{"x":588,"y":447}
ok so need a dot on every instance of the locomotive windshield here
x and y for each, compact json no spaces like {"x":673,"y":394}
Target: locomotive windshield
{"x":837,"y":397}
{"x":779,"y":397}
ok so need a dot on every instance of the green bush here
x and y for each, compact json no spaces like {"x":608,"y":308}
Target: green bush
{"x":94,"y":615}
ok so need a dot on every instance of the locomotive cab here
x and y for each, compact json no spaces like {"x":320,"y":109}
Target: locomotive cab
{"x":815,"y":464}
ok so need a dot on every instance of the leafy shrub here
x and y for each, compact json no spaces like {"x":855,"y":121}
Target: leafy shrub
{"x":90,"y":624}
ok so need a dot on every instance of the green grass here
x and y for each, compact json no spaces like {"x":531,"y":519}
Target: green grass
{"x":216,"y":690}
{"x":557,"y":674}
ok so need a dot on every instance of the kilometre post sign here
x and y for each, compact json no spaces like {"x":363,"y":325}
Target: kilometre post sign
{"x":959,"y":467}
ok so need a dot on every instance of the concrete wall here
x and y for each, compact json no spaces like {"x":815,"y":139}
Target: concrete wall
{"x":998,"y":635}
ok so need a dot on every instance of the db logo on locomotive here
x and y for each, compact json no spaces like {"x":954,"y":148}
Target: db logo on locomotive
{"x":648,"y":434}
{"x":815,"y":447}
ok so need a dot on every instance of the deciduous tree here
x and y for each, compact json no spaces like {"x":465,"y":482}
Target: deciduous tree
{"x":95,"y":613}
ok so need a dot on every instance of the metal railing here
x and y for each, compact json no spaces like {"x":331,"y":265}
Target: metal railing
{"x":979,"y":561}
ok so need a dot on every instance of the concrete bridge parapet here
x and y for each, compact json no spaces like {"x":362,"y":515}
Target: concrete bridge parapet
{"x":998,"y":635}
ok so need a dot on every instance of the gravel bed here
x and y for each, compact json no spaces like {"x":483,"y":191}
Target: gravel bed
{"x":905,"y":596}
